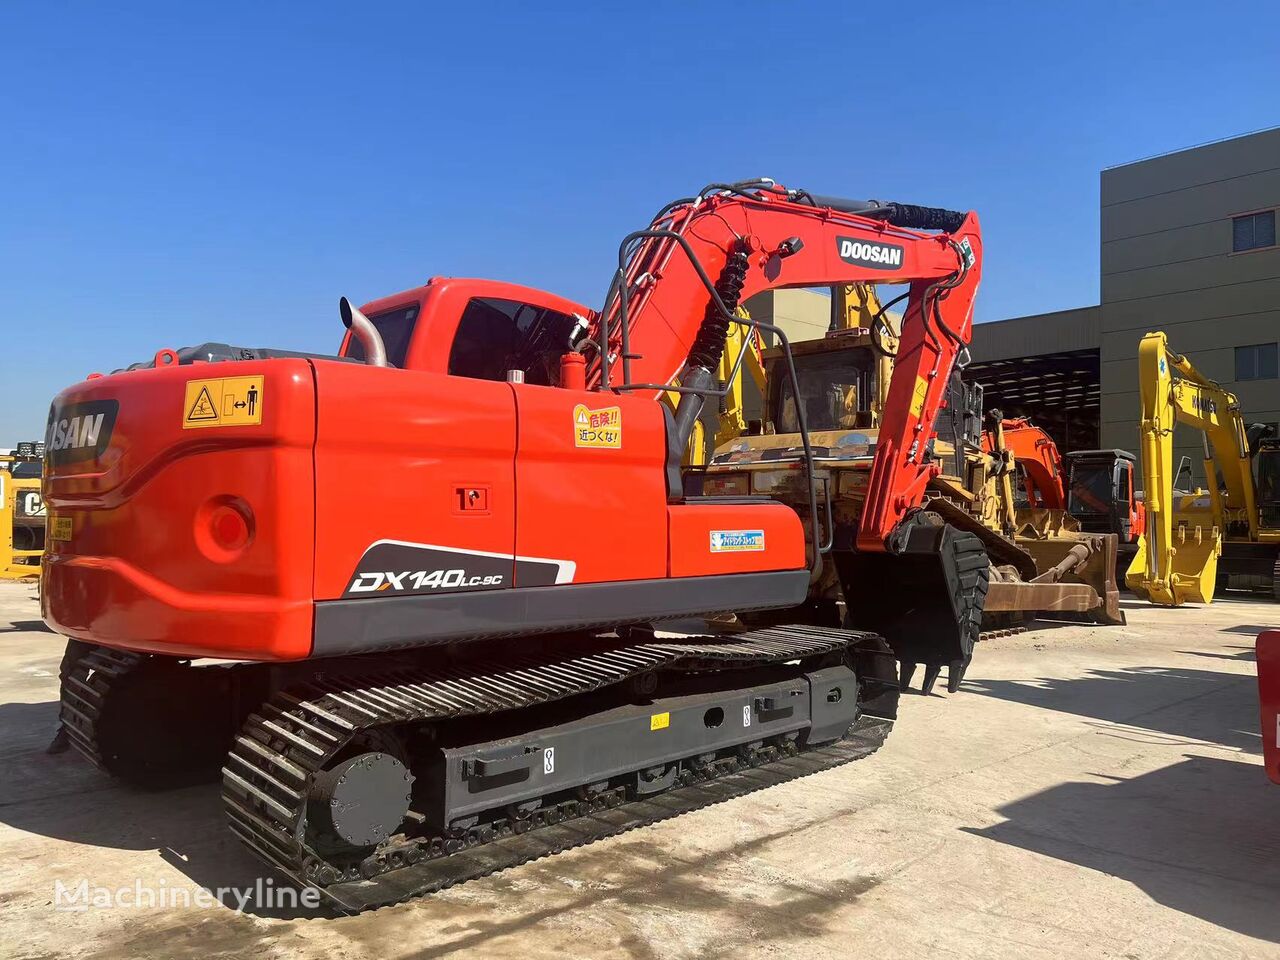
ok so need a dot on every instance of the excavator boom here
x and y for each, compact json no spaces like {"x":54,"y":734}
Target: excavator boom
{"x":1177,"y":558}
{"x":658,"y":327}
{"x":1037,"y":454}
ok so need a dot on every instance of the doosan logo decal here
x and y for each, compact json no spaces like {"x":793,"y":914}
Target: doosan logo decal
{"x":80,"y":431}
{"x":865,"y":253}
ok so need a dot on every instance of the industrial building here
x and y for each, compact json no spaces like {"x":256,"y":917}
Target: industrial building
{"x":1188,"y":246}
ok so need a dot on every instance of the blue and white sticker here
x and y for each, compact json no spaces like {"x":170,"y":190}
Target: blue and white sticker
{"x":737,"y":541}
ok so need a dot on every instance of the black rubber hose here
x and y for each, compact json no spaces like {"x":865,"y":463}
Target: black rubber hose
{"x":922,"y":218}
{"x":708,"y":345}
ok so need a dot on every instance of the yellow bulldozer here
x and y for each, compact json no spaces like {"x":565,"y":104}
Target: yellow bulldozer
{"x":1048,"y":567}
{"x":22,"y":513}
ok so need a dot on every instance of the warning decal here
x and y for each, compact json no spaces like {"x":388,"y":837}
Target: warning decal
{"x":597,"y":428}
{"x":225,"y":402}
{"x":918,"y":395}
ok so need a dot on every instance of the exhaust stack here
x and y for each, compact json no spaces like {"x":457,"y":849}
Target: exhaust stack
{"x":375,"y":352}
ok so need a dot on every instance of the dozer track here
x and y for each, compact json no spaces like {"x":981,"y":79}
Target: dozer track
{"x":279,"y":788}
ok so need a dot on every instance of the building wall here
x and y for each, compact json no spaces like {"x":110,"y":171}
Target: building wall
{"x":1167,"y":264}
{"x":1044,"y":367}
{"x":802,"y":314}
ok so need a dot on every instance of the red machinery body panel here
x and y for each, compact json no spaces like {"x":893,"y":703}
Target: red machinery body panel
{"x":145,"y":550}
{"x":590,"y":483}
{"x":1268,"y":655}
{"x":713,"y":538}
{"x":398,"y":455}
{"x":363,"y":484}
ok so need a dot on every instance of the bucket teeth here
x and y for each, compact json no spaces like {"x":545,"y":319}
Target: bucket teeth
{"x":955,"y":674}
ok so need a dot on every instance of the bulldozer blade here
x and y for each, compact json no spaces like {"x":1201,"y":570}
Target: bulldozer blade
{"x":1064,"y":584}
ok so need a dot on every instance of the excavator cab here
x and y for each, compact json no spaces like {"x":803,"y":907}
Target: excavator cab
{"x":1101,"y":493}
{"x":1267,"y":464}
{"x":480,"y":329}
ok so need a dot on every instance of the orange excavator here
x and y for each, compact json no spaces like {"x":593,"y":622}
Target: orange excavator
{"x":1268,"y":657}
{"x":470,"y":676}
{"x":1037,"y":455}
{"x":1094,"y":487}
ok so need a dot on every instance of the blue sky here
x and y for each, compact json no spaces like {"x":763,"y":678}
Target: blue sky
{"x":174,"y":173}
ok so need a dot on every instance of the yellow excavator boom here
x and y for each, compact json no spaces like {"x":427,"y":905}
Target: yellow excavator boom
{"x":1177,"y":559}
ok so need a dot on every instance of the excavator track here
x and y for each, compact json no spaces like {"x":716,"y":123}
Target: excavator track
{"x":270,"y":774}
{"x":152,"y":721}
{"x":84,"y":695}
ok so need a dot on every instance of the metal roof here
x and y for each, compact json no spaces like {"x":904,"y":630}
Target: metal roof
{"x":1046,"y":333}
{"x":1069,"y":380}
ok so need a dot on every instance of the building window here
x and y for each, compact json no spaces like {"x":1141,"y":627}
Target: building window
{"x":1253,"y":231}
{"x":1256,"y":362}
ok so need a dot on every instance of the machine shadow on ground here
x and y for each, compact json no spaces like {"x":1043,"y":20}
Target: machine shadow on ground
{"x":1156,"y":699}
{"x":63,"y":797}
{"x":27,"y":626}
{"x":1199,"y":836}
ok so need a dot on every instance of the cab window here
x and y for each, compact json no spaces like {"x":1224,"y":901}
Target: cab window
{"x":495,"y":336}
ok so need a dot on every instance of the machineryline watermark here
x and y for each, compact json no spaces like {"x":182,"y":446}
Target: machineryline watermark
{"x":80,"y":896}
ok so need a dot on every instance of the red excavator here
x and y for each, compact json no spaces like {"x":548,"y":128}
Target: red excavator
{"x":1037,"y":455}
{"x":469,"y":676}
{"x":1268,"y":657}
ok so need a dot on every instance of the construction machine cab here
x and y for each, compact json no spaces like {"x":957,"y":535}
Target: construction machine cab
{"x":22,"y":512}
{"x":1267,"y":464}
{"x":837,"y":377}
{"x":1102,"y":494}
{"x":479,"y":329}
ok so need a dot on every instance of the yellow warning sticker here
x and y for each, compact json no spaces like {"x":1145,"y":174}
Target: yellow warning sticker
{"x":225,"y":402}
{"x":918,"y":395}
{"x":59,"y":528}
{"x":660,"y":721}
{"x":597,"y":428}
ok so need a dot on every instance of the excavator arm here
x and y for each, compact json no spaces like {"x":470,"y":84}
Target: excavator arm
{"x":669,"y":309}
{"x":1037,"y":454}
{"x":1177,"y":555}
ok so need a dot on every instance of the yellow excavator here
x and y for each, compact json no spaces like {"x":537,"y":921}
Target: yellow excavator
{"x":1227,"y":535}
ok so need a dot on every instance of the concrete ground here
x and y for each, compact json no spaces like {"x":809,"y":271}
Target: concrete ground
{"x":1093,"y":792}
